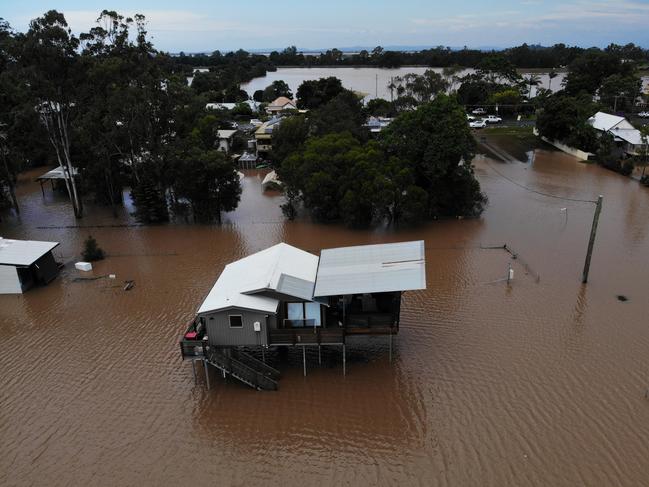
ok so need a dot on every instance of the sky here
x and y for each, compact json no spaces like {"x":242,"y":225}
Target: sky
{"x":207,"y":25}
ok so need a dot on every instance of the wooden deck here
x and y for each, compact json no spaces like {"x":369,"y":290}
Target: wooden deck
{"x":307,"y":336}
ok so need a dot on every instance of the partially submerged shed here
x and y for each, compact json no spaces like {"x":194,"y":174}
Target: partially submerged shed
{"x":25,"y":263}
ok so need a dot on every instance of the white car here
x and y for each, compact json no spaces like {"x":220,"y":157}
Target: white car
{"x":479,"y":111}
{"x":470,"y":117}
{"x":493,"y":119}
{"x":478,"y":124}
{"x":643,"y":114}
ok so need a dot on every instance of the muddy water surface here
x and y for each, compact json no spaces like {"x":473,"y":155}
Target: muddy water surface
{"x":541,"y":382}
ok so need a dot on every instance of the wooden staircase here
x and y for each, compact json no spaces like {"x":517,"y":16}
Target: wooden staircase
{"x":243,"y":367}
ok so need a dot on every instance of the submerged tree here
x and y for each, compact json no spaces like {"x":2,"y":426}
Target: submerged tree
{"x":437,"y":142}
{"x":50,"y":68}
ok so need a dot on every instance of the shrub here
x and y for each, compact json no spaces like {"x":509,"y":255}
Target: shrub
{"x":91,"y":251}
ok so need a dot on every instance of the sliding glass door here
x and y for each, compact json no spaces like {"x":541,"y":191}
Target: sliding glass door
{"x":301,"y":315}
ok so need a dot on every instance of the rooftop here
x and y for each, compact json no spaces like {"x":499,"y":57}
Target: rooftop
{"x":23,"y":252}
{"x":371,"y":269}
{"x":281,"y":269}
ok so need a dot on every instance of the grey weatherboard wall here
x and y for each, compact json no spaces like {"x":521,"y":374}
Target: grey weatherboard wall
{"x":219,"y":332}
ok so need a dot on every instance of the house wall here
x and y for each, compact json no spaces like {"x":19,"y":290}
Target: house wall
{"x":220,"y":334}
{"x":9,"y":281}
{"x":45,"y":269}
{"x":224,"y":145}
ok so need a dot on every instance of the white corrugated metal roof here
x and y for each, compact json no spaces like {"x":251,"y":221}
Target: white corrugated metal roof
{"x":281,"y":268}
{"x":23,"y":252}
{"x":604,"y":121}
{"x":371,"y":269}
{"x":57,"y":173}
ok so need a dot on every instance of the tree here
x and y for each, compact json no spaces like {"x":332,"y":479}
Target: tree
{"x":531,"y":80}
{"x":565,"y":118}
{"x":343,"y":113}
{"x":207,"y":179}
{"x":289,"y":137}
{"x":438,"y":143}
{"x":619,"y":92}
{"x":275,"y":90}
{"x":315,"y":93}
{"x":419,"y":88}
{"x":91,"y":251}
{"x":588,"y":71}
{"x":50,"y":69}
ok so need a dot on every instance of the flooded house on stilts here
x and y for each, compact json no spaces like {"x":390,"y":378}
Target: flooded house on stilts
{"x":286,"y":297}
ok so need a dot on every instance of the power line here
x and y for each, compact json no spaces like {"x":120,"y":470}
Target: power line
{"x":535,"y":191}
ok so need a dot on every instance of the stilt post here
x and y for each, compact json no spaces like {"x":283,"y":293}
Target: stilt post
{"x":390,"y":345}
{"x":304,"y":358}
{"x":207,"y":375}
{"x":319,"y":355}
{"x":194,"y":371}
{"x":344,"y":360}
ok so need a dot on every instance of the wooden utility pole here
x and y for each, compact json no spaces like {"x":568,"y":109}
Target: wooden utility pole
{"x":591,"y":242}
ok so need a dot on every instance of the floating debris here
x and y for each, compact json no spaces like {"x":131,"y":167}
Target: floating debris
{"x":128,"y":285}
{"x":622,"y":297}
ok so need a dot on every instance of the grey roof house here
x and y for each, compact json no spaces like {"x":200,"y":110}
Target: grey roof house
{"x":284,"y":296}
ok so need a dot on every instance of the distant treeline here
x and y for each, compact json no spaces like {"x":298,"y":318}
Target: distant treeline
{"x":524,"y":56}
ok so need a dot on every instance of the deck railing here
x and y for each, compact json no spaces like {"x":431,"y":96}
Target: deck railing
{"x":307,"y":336}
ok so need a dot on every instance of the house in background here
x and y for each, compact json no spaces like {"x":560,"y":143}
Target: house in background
{"x":264,"y":136}
{"x":226,"y":138}
{"x":25,"y":264}
{"x":627,"y":138}
{"x":284,"y":296}
{"x":281,"y":104}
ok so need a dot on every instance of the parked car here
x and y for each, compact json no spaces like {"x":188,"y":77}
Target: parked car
{"x":479,"y":111}
{"x":470,"y":117}
{"x":643,"y":114}
{"x":478,"y":124}
{"x":493,"y":119}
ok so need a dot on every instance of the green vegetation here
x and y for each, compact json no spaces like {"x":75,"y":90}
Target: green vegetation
{"x":418,"y":169}
{"x":91,"y":251}
{"x":110,"y":105}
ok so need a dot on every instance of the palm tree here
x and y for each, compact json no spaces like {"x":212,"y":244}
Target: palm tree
{"x":531,"y":80}
{"x":551,"y":75}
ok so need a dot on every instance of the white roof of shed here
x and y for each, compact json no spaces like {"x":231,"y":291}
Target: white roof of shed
{"x":282,"y":268}
{"x":23,"y":252}
{"x":57,"y":173}
{"x":371,"y":269}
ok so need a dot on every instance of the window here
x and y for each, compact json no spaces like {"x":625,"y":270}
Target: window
{"x":299,"y":315}
{"x":236,"y":321}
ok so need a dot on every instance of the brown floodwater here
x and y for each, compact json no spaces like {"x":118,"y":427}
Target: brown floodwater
{"x":540,"y":382}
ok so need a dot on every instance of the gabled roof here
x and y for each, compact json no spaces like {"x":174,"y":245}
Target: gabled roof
{"x":281,"y":102}
{"x":371,"y":269}
{"x":226,"y":134}
{"x":56,"y":173}
{"x":605,"y":122}
{"x":23,"y":252}
{"x":617,"y":126}
{"x":279,"y":269}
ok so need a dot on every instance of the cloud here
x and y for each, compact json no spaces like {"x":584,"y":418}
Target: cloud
{"x":579,"y":14}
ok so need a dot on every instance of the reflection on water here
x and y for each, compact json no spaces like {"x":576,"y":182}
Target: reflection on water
{"x":535,"y":383}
